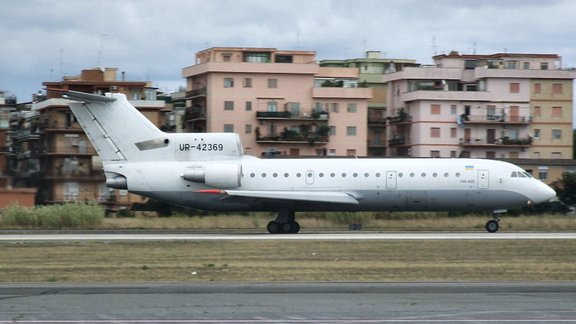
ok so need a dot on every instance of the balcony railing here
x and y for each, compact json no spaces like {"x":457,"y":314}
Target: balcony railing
{"x":495,"y":119}
{"x":397,"y":142}
{"x":196,"y":93}
{"x":316,"y":115}
{"x":498,"y":142}
{"x":400,"y":119}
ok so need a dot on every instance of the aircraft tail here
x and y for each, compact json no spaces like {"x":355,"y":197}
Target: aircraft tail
{"x":117,"y":130}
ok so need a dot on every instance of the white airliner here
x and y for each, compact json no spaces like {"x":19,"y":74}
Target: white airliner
{"x":210,"y":171}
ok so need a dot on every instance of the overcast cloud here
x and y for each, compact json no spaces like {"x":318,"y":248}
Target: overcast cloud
{"x":43,"y":40}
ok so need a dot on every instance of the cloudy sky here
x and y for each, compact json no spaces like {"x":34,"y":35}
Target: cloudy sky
{"x":43,"y":40}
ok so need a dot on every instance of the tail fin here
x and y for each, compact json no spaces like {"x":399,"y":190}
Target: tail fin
{"x":117,"y":130}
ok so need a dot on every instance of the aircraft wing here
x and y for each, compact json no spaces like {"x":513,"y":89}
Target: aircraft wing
{"x":309,"y":196}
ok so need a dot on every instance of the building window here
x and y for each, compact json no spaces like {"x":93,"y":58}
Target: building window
{"x":248,"y":129}
{"x":453,"y":110}
{"x":272,"y":83}
{"x":351,"y":108}
{"x":272,"y":106}
{"x":556,"y":155}
{"x":228,"y":105}
{"x":490,"y":155}
{"x":537,"y":87}
{"x":247,"y":83}
{"x":556,"y":111}
{"x":557,"y":88}
{"x":248,"y":105}
{"x":228,"y":128}
{"x":543,"y":173}
{"x":526,"y":65}
{"x":452,"y":154}
{"x":435,"y":154}
{"x":514,"y":87}
{"x":228,"y":83}
{"x":351,"y":130}
{"x":435,"y":132}
{"x":537,"y":133}
{"x":556,"y":134}
{"x":226,"y":57}
{"x":335,"y":107}
{"x":512,"y":65}
{"x":332,"y":131}
{"x":350,"y":152}
{"x":435,"y":109}
{"x":537,"y":155}
{"x":537,"y":111}
{"x":544,"y":66}
{"x":453,"y":132}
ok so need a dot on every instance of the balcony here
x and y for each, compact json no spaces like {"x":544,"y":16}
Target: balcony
{"x":200,"y":92}
{"x":342,"y":93}
{"x":447,"y":95}
{"x":287,"y":115}
{"x":197,"y":114}
{"x":318,"y":137}
{"x":503,"y":142}
{"x":396,"y":142}
{"x":401,"y":119}
{"x":495,"y":119}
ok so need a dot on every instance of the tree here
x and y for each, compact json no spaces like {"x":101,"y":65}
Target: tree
{"x":566,"y":188}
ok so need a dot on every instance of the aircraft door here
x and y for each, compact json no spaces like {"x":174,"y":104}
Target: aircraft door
{"x":309,"y":177}
{"x":483,"y":179}
{"x":391,"y":180}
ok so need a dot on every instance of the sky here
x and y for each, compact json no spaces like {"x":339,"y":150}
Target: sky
{"x":44,"y":40}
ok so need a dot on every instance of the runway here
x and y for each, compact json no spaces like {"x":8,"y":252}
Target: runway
{"x":219,"y":302}
{"x":303,"y":236}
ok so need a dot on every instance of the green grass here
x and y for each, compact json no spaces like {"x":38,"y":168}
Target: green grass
{"x":272,"y":260}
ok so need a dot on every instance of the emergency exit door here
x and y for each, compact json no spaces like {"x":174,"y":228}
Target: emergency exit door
{"x":391,"y":179}
{"x":483,"y":179}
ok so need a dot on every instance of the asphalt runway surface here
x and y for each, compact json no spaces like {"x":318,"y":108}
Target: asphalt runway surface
{"x":289,"y":303}
{"x":42,"y":237}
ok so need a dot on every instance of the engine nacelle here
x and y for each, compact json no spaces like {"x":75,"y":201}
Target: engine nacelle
{"x":223,"y":176}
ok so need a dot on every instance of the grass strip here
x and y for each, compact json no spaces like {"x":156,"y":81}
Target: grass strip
{"x":339,"y":260}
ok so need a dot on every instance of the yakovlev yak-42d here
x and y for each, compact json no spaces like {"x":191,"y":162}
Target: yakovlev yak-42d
{"x":210,"y":171}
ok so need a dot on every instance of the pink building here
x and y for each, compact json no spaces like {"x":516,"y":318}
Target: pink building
{"x":482,"y":106}
{"x":280,"y":102}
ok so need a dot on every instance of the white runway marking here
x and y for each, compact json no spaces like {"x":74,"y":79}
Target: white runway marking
{"x":321,"y":237}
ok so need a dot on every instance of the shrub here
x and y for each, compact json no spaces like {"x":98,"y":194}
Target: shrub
{"x":69,"y":216}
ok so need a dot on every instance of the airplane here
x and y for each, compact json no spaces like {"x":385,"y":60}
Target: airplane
{"x":209,"y":171}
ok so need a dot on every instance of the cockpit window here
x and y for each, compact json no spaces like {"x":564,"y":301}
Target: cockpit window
{"x":514,"y":174}
{"x":521,"y":175}
{"x":528,"y":175}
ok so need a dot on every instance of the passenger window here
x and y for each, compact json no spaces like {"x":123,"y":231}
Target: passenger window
{"x":434,"y":174}
{"x":355,"y":175}
{"x":298,"y":175}
{"x":263,"y":175}
{"x":411,"y":175}
{"x":377,"y":175}
{"x":252,"y":175}
{"x":423,"y":175}
{"x":332,"y":175}
{"x":321,"y":175}
{"x":286,"y":175}
{"x":446,"y":174}
{"x":366,"y":175}
{"x":400,"y":174}
{"x":275,"y":175}
{"x":457,"y":175}
{"x":343,"y":175}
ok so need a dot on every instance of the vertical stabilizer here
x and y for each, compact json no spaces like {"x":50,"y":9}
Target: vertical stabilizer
{"x":115,"y":127}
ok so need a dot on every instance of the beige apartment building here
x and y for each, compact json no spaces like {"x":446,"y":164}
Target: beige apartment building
{"x":280,"y":102}
{"x":504,"y":106}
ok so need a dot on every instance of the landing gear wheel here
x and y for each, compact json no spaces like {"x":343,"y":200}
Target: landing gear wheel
{"x":492,"y":226}
{"x":290,"y":227}
{"x":274,"y":227}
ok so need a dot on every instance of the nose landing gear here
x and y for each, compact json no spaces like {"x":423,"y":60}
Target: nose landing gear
{"x":493,"y":225}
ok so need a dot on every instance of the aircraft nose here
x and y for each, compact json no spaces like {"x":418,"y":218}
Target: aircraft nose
{"x":544,"y":193}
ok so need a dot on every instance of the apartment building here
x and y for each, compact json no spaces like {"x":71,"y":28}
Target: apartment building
{"x":9,"y":192}
{"x":68,"y":167}
{"x":504,"y":106}
{"x":279,"y":102}
{"x":370,"y":69}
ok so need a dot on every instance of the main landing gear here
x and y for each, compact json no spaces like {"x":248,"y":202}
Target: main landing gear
{"x":284,"y":223}
{"x":493,"y":225}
